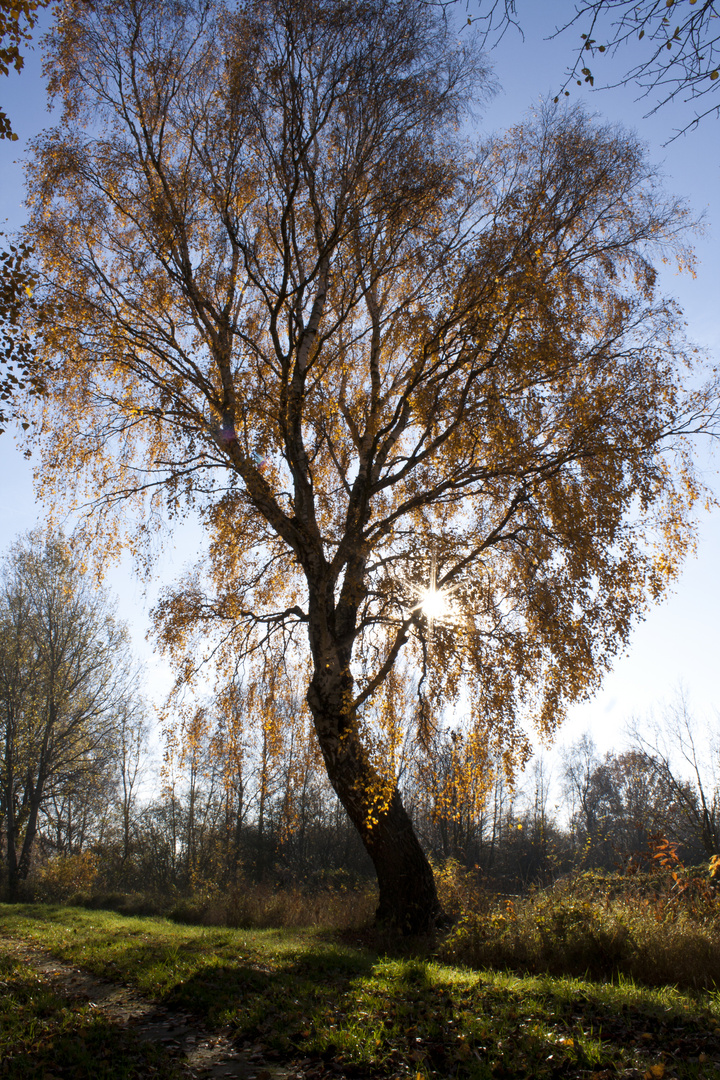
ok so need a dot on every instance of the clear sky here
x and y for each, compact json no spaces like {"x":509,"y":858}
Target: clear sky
{"x":679,"y":642}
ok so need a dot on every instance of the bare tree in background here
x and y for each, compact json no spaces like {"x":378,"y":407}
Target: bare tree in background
{"x":685,"y":755}
{"x":64,"y":682}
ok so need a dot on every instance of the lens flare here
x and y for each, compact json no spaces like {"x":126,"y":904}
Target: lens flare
{"x":437,"y":604}
{"x":434,"y":604}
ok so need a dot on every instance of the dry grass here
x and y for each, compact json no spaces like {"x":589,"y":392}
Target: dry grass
{"x":651,"y":928}
{"x":263,"y":906}
{"x":333,"y":904}
{"x":248,"y":905}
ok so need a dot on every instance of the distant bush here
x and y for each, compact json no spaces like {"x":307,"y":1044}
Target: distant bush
{"x":57,"y":879}
{"x":122,"y":903}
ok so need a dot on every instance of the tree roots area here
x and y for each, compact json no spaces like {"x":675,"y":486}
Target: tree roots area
{"x":97,"y":995}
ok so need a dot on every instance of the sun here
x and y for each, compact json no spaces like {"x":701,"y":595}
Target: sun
{"x":437,"y":605}
{"x":434,"y":604}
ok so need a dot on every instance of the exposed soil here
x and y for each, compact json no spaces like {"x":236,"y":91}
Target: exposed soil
{"x":203,"y":1054}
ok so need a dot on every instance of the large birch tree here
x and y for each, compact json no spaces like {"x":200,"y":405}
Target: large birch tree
{"x":422,"y":391}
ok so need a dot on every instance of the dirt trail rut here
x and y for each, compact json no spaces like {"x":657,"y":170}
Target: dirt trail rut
{"x":202,"y":1053}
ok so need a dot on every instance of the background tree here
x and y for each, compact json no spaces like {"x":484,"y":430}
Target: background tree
{"x":424,"y":396}
{"x":132,"y":752}
{"x":684,"y":756}
{"x":449,"y":795}
{"x":64,"y":680}
{"x":584,"y":786}
{"x":618,"y":804}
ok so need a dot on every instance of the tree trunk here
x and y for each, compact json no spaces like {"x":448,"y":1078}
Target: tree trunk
{"x":260,"y":859}
{"x":408,"y":897}
{"x":12,"y":863}
{"x":30,"y":833}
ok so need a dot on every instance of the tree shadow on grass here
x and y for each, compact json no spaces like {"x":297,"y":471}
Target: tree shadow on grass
{"x":102,"y":1050}
{"x":292,"y":992}
{"x":496,"y":1026}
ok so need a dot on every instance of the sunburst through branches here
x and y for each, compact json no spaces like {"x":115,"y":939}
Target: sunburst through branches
{"x":437,"y":603}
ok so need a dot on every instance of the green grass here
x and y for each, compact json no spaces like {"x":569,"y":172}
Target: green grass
{"x":45,"y":1034}
{"x":306,"y":996}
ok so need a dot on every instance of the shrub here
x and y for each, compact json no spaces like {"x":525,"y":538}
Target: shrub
{"x":656,"y":928}
{"x":459,"y":889}
{"x":123,"y":903}
{"x":57,"y":879}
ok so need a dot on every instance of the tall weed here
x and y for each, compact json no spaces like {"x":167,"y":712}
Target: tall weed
{"x":661,"y":927}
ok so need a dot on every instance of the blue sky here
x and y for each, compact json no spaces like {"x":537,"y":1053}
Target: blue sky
{"x":679,"y":642}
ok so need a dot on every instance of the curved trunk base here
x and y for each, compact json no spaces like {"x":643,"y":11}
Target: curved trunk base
{"x":408,"y":901}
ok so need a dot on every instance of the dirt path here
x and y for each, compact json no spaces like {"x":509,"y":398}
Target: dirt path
{"x":204,"y":1054}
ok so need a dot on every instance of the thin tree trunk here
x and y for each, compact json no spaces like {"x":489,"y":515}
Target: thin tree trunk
{"x":260,"y":860}
{"x":125,"y":807}
{"x":190,"y":834}
{"x":12,"y":865}
{"x":237,"y":834}
{"x":23,"y":868}
{"x":8,"y":798}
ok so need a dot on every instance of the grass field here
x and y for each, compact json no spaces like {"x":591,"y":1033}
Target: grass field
{"x":334,"y":1007}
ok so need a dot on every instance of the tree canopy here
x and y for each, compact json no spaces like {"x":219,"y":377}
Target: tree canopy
{"x":423,"y":393}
